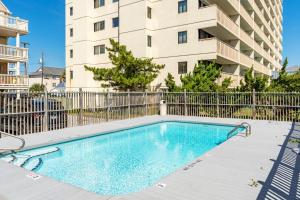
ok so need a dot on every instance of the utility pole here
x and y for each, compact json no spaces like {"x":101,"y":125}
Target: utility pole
{"x":42,"y":66}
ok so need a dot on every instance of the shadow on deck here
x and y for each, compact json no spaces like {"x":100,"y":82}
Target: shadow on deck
{"x":283,"y":182}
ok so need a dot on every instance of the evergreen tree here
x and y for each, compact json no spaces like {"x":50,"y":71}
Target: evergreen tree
{"x":202,"y":79}
{"x":128,"y":73}
{"x":171,"y":84}
{"x":37,"y":88}
{"x":251,"y":82}
{"x":281,"y":83}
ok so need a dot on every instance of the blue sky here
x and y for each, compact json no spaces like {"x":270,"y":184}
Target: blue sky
{"x":47,"y":17}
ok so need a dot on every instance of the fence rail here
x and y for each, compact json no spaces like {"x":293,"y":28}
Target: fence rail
{"x":248,"y":105}
{"x":26,"y":113}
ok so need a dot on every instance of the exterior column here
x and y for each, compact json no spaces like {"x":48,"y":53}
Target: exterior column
{"x":18,"y":63}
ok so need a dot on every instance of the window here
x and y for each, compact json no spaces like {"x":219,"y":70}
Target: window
{"x":99,"y":49}
{"x":71,"y":74}
{"x":149,"y":41}
{"x":203,"y":34}
{"x":71,"y":53}
{"x":71,"y":32}
{"x":201,"y":4}
{"x":182,"y":67}
{"x":99,"y":3}
{"x":149,"y":12}
{"x":99,"y":26}
{"x":182,"y":37}
{"x":71,"y":11}
{"x":182,"y":6}
{"x":115,"y":1}
{"x":115,"y":22}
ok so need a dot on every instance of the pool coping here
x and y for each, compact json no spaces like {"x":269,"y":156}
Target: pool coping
{"x":65,"y":135}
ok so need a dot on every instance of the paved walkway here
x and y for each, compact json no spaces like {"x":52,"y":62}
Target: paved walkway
{"x":236,"y":169}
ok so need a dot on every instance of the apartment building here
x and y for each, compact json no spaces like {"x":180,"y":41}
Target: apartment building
{"x":237,"y":34}
{"x":12,"y":58}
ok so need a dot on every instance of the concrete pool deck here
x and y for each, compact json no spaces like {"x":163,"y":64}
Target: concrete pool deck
{"x":240,"y":168}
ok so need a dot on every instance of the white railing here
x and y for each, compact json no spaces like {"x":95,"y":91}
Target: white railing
{"x":225,"y":21}
{"x":13,"y":53}
{"x":227,"y":51}
{"x":13,"y":81}
{"x":13,"y":22}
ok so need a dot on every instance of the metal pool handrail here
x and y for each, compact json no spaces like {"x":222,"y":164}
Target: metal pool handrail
{"x":245,"y":125}
{"x":13,"y":136}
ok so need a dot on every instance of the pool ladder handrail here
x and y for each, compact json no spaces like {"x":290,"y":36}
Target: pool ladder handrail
{"x":245,"y":125}
{"x":13,"y":136}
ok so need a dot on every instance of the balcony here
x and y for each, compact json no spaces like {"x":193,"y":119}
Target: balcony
{"x":13,"y":82}
{"x":11,"y":53}
{"x":227,"y":55}
{"x":10,"y":26}
{"x":223,"y":26}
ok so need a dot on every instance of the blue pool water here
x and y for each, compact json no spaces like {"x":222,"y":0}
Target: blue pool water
{"x":130,"y":160}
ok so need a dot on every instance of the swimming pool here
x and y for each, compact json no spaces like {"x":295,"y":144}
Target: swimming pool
{"x":129,"y":160}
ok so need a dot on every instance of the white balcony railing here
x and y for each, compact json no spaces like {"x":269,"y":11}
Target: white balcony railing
{"x":13,"y":53}
{"x":11,"y":81}
{"x":13,"y":23}
{"x":227,"y":51}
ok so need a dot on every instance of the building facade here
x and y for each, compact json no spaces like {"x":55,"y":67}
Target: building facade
{"x":51,"y":77}
{"x":13,"y":58}
{"x":234,"y":33}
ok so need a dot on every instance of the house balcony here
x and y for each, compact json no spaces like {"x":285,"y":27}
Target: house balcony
{"x":11,"y":26}
{"x":13,"y":82}
{"x":13,"y":54}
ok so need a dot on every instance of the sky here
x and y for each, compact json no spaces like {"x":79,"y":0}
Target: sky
{"x":47,"y":30}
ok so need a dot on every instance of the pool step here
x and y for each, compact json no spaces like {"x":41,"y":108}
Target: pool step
{"x":21,"y":159}
{"x":9,"y":158}
{"x":33,"y":164}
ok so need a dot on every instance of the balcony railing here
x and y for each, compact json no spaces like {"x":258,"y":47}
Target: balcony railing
{"x":13,"y":53}
{"x":13,"y":23}
{"x":11,"y":81}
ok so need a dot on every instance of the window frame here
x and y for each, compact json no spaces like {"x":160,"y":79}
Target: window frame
{"x":71,"y":53}
{"x":182,"y":69}
{"x":182,"y":6}
{"x":71,"y":32}
{"x":149,"y":12}
{"x":113,"y":22}
{"x":71,"y":74}
{"x":71,"y":11}
{"x":99,"y":3}
{"x":182,"y":39}
{"x":101,"y":25}
{"x":149,"y":41}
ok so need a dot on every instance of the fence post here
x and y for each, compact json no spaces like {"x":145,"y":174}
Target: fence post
{"x":185,"y":103}
{"x":128,"y":101}
{"x":218,"y":105}
{"x":80,"y":122}
{"x":253,"y":104}
{"x":146,"y":103}
{"x":45,"y":120}
{"x":107,"y":106}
